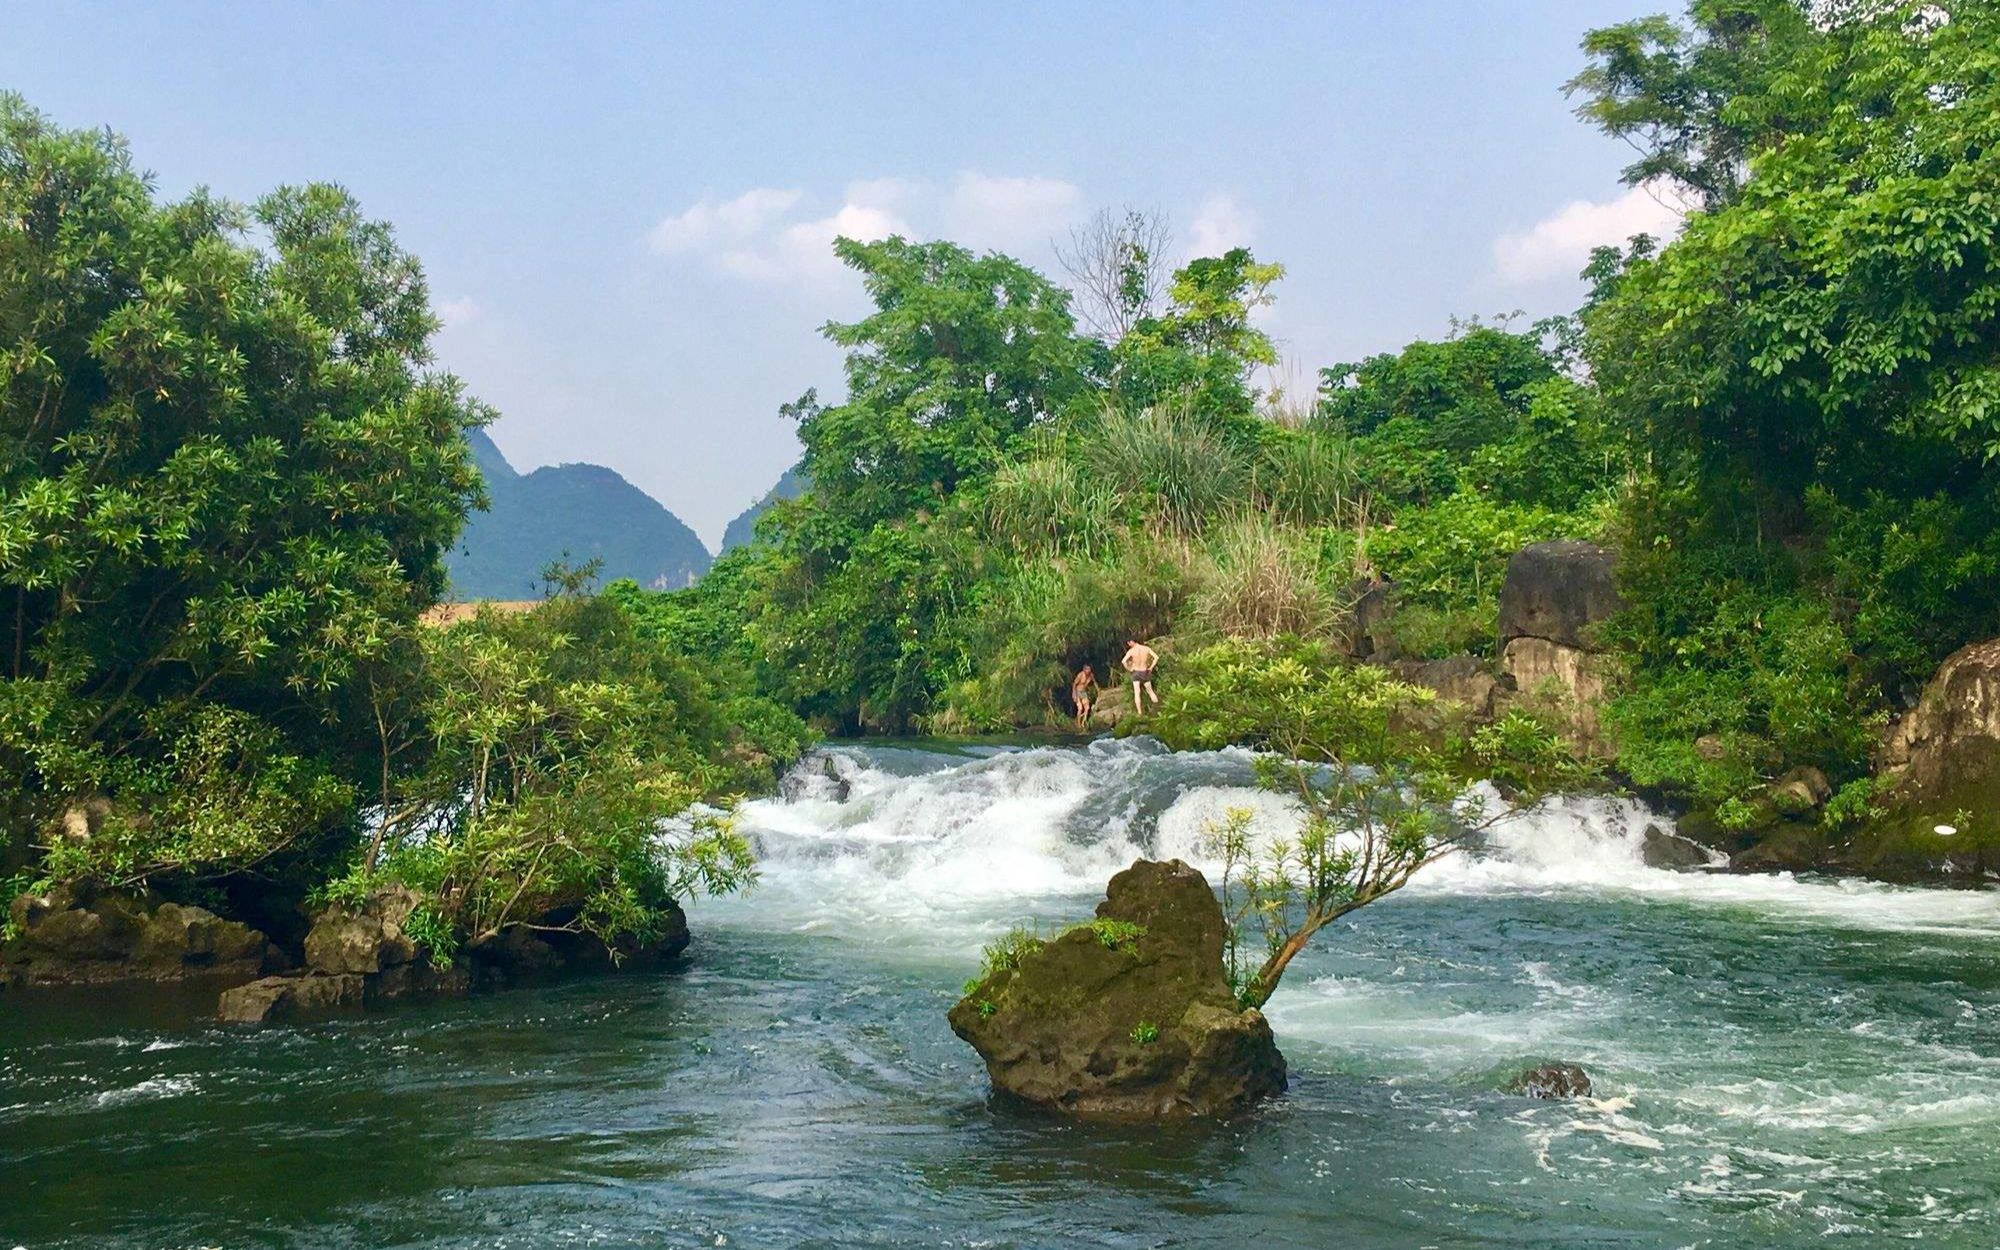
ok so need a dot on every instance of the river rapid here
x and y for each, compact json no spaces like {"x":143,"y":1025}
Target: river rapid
{"x":1780,"y":1062}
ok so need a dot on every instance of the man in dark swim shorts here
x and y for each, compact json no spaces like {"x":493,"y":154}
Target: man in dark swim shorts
{"x":1139,"y":662}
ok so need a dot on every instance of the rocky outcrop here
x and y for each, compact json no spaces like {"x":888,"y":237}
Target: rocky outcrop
{"x":1800,"y":791}
{"x":1130,"y":1018}
{"x":366,"y":939}
{"x":1952,"y":736}
{"x":82,"y":937}
{"x":1941,"y":808}
{"x":1554,"y":596}
{"x":520,"y":955}
{"x":1787,"y":848}
{"x":1558,"y":591}
{"x":1461,"y":681}
{"x":1370,"y":637}
{"x":1551,"y":1080}
{"x":355,"y":956}
{"x":1660,"y":849}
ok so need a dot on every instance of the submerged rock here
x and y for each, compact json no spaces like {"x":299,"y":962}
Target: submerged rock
{"x":1109,"y":1021}
{"x":275,"y":1000}
{"x":1787,"y":848}
{"x":1551,"y":1080}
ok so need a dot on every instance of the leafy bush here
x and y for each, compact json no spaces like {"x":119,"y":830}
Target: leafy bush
{"x":568,"y":754}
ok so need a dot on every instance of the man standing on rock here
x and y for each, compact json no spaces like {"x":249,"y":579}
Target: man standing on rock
{"x":1139,"y":661}
{"x":1083,"y":693}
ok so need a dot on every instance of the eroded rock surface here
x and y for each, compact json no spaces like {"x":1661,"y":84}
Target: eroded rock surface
{"x":1942,"y":760}
{"x":1554,"y":596}
{"x":1551,"y":1080}
{"x":1557,"y":591}
{"x":1142,"y":1027}
{"x":86,"y":938}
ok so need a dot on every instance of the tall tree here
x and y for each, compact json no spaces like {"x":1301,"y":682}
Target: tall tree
{"x":1694,"y":99}
{"x":962,"y":354}
{"x":226,"y":480}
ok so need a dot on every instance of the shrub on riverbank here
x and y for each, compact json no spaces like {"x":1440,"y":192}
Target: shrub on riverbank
{"x":565,"y":753}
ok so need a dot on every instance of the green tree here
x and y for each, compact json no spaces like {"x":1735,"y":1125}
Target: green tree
{"x":961,"y":356}
{"x":566,"y":753}
{"x":1811,"y":374}
{"x":1695,"y":99}
{"x":1202,"y":349}
{"x":226,"y":481}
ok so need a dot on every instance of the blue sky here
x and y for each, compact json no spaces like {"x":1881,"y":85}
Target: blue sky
{"x":625,"y":209}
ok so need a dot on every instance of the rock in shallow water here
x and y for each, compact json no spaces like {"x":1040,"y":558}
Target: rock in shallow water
{"x":1106,"y":1023}
{"x":1661,"y":849}
{"x":1552,"y":1080}
{"x":84,"y":938}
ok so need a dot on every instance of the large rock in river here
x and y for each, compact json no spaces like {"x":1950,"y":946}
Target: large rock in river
{"x":1130,"y":1018}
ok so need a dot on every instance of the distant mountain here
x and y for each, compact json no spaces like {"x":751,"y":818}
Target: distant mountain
{"x":584,"y":509}
{"x":744,"y":527}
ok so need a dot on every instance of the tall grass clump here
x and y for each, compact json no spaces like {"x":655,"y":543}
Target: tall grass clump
{"x":1182,"y":466}
{"x":1263,"y":581}
{"x":1048,"y":505}
{"x":1310,"y":476}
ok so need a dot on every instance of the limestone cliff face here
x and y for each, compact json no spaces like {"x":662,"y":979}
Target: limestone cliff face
{"x":1555,"y":594}
{"x":1113,"y":1023}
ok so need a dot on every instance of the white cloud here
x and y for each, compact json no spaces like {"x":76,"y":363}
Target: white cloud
{"x":1220,"y":224}
{"x":707,"y":224}
{"x":1003,"y":212}
{"x":457,"y":312}
{"x":767,"y":235}
{"x":1558,"y":246}
{"x":803,"y":251}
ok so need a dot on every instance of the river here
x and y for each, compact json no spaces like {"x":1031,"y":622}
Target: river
{"x":1779,"y":1062}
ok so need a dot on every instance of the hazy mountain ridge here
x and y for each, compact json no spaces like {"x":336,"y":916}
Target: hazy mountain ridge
{"x":744,"y":527}
{"x":586,"y":510}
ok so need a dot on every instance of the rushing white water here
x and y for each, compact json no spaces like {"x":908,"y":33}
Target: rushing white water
{"x":891,"y":837}
{"x":1801,"y":1057}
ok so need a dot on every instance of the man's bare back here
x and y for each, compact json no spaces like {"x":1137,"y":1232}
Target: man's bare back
{"x":1139,"y":663}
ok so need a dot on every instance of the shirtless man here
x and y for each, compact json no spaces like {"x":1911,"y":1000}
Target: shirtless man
{"x":1083,"y":693}
{"x":1139,"y":661}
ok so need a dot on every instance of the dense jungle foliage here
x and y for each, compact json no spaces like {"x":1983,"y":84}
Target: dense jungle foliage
{"x":228,"y":476}
{"x":228,"y":473}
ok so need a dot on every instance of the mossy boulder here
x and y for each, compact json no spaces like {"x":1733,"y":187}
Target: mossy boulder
{"x":1129,"y":1018}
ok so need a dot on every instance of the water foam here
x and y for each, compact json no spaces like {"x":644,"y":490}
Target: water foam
{"x":909,"y":836}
